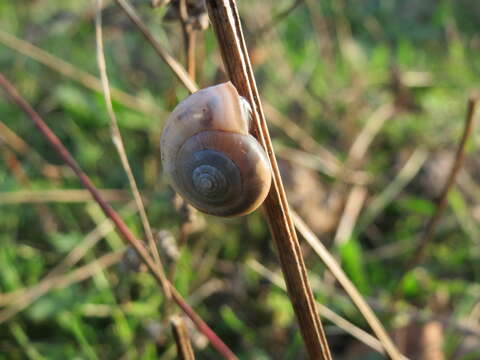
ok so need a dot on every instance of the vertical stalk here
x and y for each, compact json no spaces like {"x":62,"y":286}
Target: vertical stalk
{"x":226,"y":23}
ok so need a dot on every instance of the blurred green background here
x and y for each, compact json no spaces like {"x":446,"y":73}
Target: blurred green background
{"x":391,"y":76}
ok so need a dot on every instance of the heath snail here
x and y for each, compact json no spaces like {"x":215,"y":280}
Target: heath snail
{"x":209,"y":156}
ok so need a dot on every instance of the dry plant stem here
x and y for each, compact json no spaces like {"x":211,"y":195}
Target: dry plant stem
{"x":441,"y":203}
{"x":356,"y":199}
{"x":118,"y":142}
{"x":226,"y":22}
{"x":180,"y":333}
{"x":192,"y":44}
{"x":70,"y":71}
{"x":121,"y":227}
{"x":374,"y":124}
{"x":177,"y":69}
{"x":350,"y":289}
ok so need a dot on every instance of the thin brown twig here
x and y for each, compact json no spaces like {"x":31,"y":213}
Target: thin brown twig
{"x":441,"y":203}
{"x":354,"y":203}
{"x":226,"y":23}
{"x":118,"y":142}
{"x":191,"y":52}
{"x":177,"y":69}
{"x":121,"y":227}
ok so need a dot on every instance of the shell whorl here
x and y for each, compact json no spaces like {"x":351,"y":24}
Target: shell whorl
{"x":209,"y":181}
{"x":210,"y":177}
{"x":209,"y":156}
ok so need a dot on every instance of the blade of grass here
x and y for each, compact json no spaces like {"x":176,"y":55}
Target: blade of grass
{"x":21,"y":336}
{"x":411,"y":168}
{"x":362,"y":142}
{"x":354,"y":204}
{"x":118,"y":142}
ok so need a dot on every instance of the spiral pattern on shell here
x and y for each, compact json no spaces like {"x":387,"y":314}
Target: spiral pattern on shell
{"x":211,"y":159}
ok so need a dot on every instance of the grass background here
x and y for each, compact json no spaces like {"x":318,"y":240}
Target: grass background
{"x":423,"y":57}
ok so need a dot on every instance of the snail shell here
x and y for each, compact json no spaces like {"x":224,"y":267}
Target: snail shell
{"x":209,"y":156}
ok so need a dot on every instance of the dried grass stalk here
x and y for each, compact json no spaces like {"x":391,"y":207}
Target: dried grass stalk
{"x":225,"y":20}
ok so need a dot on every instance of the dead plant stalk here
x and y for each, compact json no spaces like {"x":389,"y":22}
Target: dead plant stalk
{"x":226,"y":23}
{"x":118,"y":142}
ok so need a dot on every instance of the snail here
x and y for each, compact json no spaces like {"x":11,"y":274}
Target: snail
{"x":209,"y":156}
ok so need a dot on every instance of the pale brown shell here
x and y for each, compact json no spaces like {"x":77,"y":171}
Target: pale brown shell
{"x":209,"y":156}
